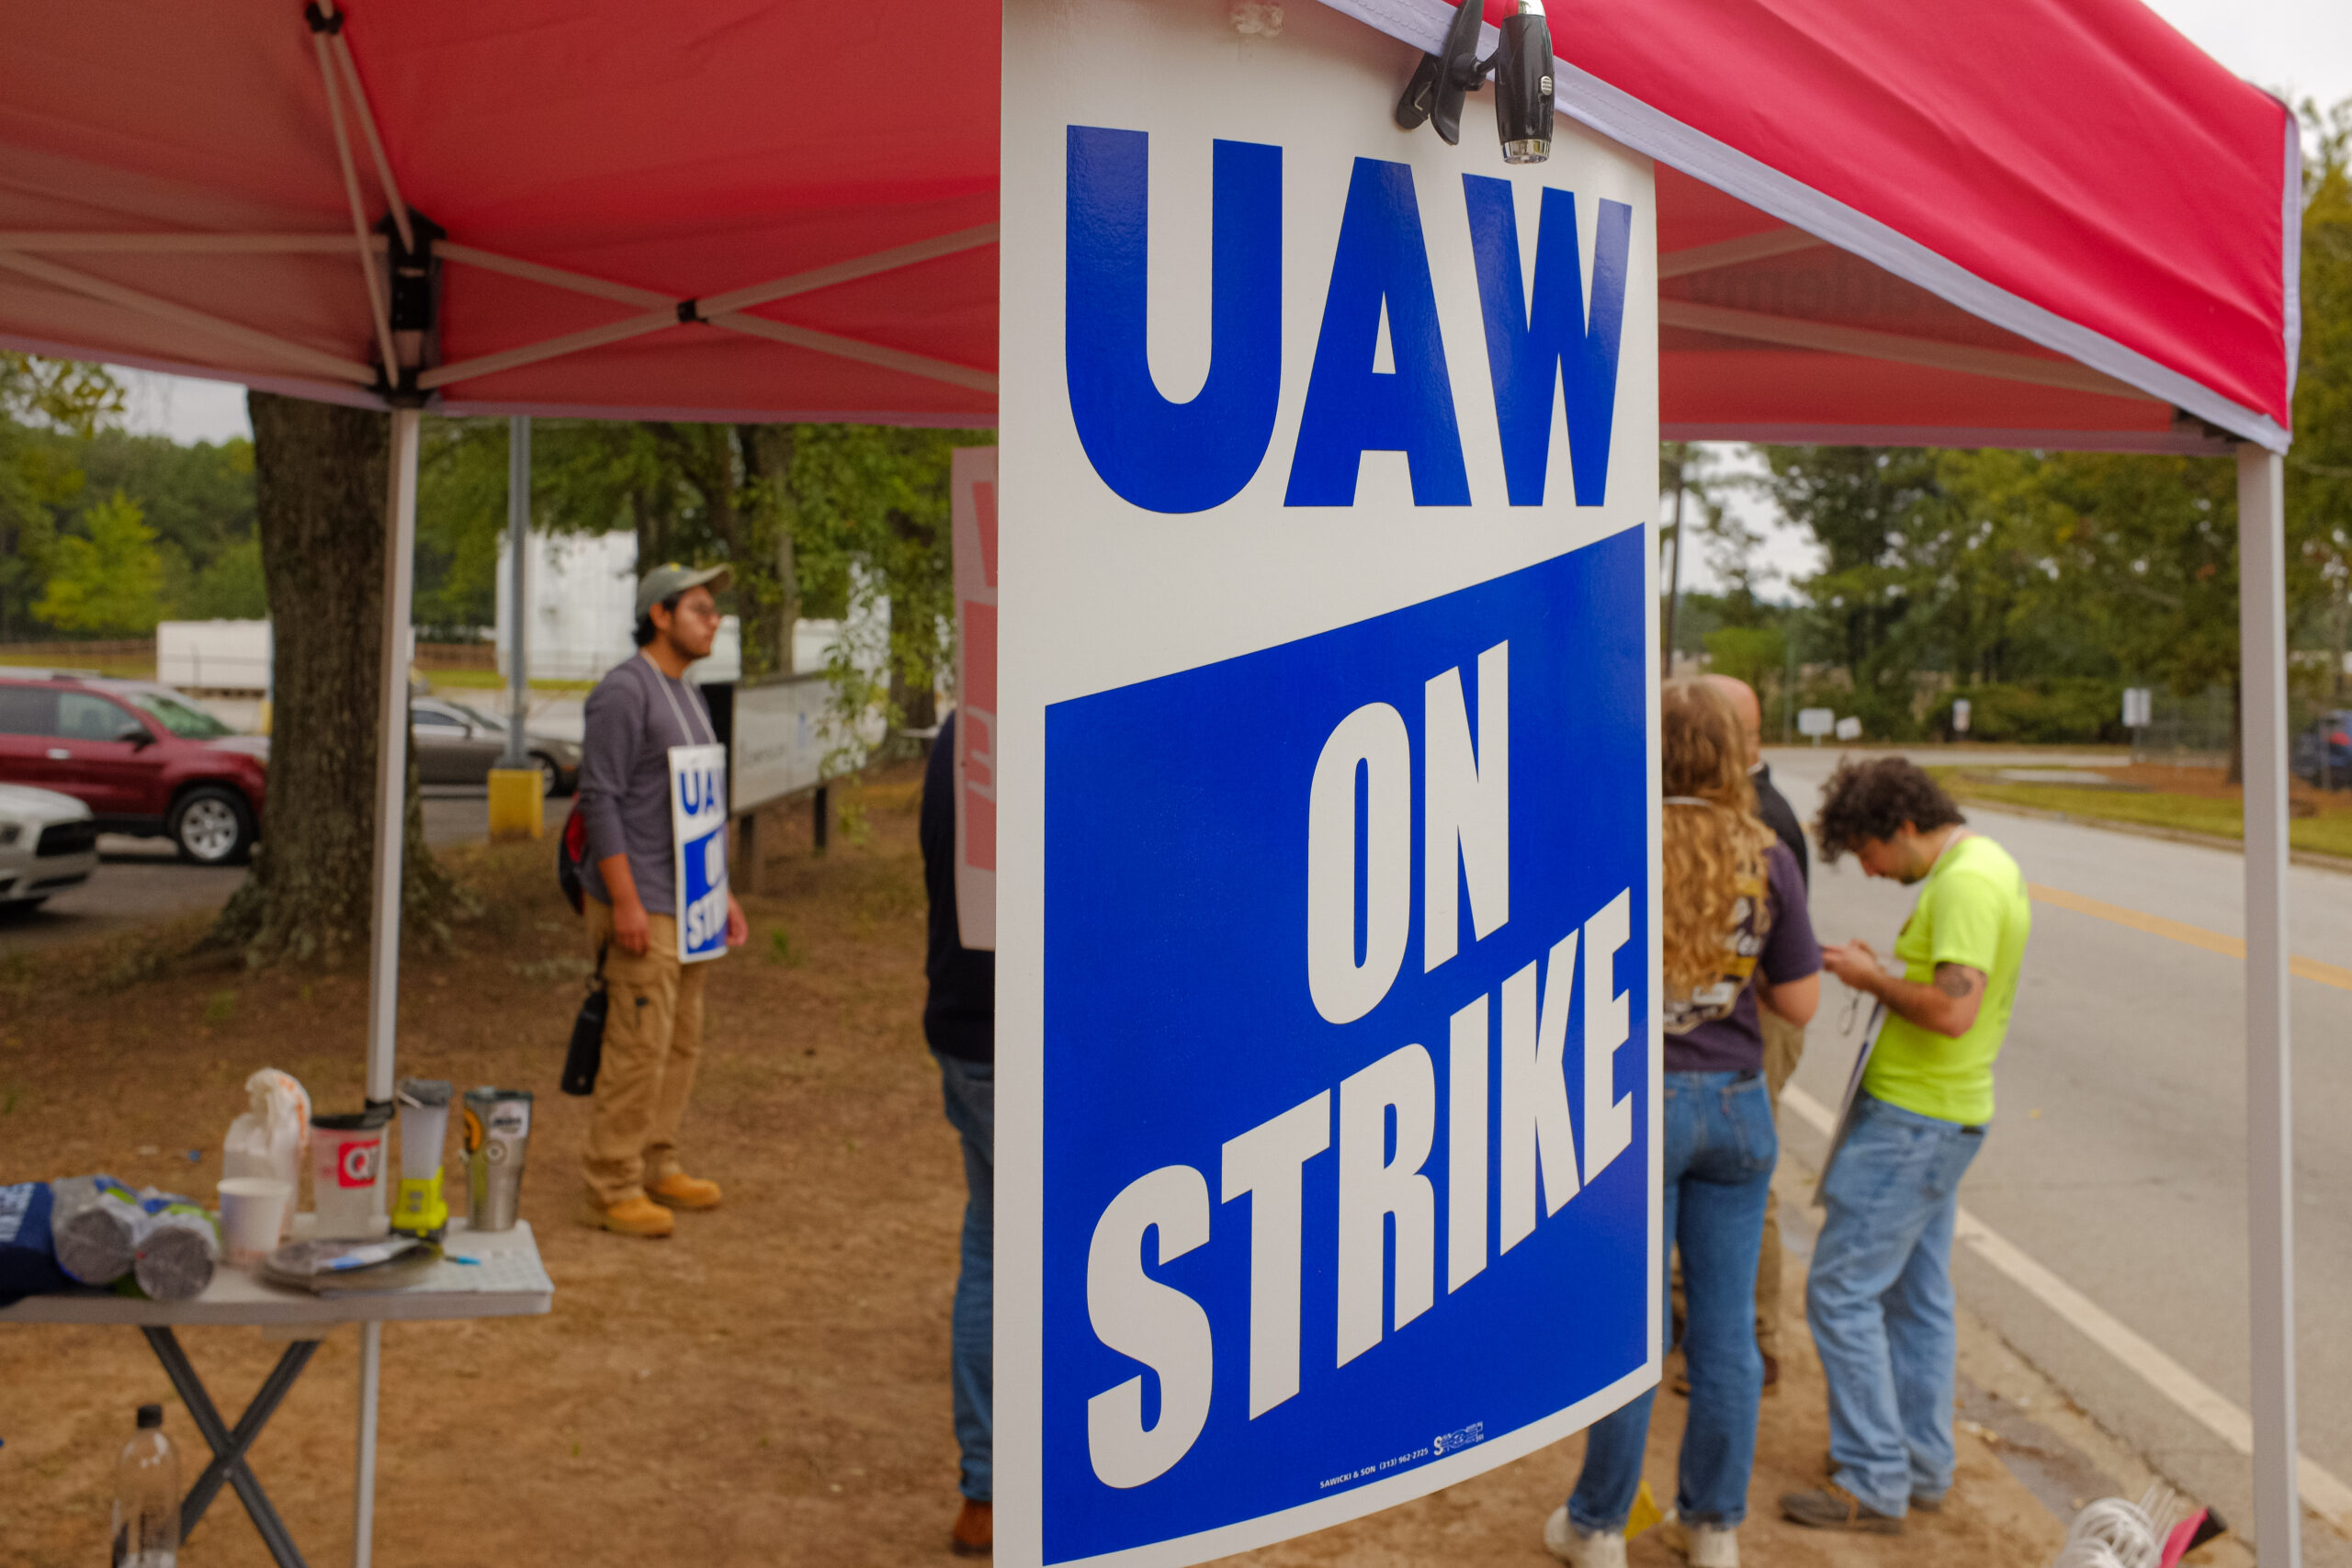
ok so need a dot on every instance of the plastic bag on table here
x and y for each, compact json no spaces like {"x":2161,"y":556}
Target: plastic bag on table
{"x":28,"y":1256}
{"x":273,"y":1136}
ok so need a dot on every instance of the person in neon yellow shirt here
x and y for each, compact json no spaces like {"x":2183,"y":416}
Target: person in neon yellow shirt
{"x":1878,"y":1296}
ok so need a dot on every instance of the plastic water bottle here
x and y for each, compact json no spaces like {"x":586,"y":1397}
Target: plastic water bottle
{"x":147,"y":1497}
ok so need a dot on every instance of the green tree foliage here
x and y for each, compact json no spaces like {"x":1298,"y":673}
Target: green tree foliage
{"x":198,"y":499}
{"x":61,"y":463}
{"x":2041,"y":582}
{"x":46,"y":407}
{"x":2319,"y":466}
{"x":819,"y":521}
{"x":1754,"y":654}
{"x":109,"y":582}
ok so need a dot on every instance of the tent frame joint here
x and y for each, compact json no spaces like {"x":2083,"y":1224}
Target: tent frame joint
{"x":415,"y":307}
{"x":322,"y":20}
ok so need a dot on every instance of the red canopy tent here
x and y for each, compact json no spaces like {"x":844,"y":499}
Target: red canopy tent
{"x":2049,"y":223}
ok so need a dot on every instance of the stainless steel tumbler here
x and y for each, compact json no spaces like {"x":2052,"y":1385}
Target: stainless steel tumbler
{"x":498,"y":1134}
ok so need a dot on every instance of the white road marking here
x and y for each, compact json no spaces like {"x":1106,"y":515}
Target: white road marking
{"x":2323,"y":1493}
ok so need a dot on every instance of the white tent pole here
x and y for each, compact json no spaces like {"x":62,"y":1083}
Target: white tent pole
{"x":362,"y":1491}
{"x":65,"y":240}
{"x":667,"y":313}
{"x":365,"y":114}
{"x":315,"y":361}
{"x":375,"y":303}
{"x":391,"y":754}
{"x":2269,"y":1078}
{"x":518,"y":539}
{"x":875,"y":354}
{"x":1693,"y":259}
{"x":555,"y":277}
{"x":1934,"y":353}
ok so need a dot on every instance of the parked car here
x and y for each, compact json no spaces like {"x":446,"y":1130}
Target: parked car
{"x":144,"y":759}
{"x":459,"y":744}
{"x":2322,"y":754}
{"x":48,"y":843}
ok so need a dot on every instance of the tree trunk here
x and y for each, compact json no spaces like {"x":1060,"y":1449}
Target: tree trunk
{"x":915,"y":702}
{"x":767,"y":450}
{"x":319,"y":481}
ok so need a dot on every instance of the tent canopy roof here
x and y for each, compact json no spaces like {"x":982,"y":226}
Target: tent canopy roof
{"x":2043,"y":222}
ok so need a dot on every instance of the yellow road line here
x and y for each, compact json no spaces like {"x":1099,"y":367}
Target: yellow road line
{"x":2178,"y":931}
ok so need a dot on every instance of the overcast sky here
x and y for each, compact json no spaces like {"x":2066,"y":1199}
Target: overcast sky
{"x":2298,"y":48}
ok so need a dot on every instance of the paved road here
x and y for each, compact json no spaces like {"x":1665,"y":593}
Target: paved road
{"x":2118,"y":1157}
{"x":139,"y":879}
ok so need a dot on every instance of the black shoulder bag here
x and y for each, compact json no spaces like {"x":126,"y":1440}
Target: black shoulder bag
{"x":587,"y":1052}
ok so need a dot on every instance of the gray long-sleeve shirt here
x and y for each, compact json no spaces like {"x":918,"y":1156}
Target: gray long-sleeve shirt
{"x":625,"y":775}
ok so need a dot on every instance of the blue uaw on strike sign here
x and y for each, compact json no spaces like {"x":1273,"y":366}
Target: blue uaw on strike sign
{"x":1328,"y":1069}
{"x":698,"y":841}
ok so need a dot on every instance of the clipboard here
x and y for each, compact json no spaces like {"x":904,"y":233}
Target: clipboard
{"x":1846,"y":1106}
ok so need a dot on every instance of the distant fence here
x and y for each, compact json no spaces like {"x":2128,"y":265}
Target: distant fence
{"x":131,"y":650}
{"x":457,"y":656}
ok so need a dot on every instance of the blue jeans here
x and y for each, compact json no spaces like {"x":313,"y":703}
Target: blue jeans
{"x":969,"y":1090}
{"x":1720,"y":1148}
{"x":1879,"y":1300}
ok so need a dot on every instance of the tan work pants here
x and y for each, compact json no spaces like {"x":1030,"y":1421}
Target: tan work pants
{"x":653,"y":1042}
{"x":1784,"y":1049}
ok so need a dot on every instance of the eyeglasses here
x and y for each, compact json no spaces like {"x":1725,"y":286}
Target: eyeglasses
{"x":1853,"y":1010}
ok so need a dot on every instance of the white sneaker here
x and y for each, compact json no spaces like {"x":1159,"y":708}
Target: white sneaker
{"x":1709,"y":1545}
{"x":1582,"y":1548}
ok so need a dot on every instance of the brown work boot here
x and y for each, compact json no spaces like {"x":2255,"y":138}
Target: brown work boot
{"x":683,"y":1192}
{"x":632,"y":1216}
{"x":1920,"y":1501}
{"x":1835,"y":1508}
{"x":975,"y":1531}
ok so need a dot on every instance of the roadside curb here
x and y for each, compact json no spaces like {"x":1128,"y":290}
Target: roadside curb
{"x":2340,"y":865}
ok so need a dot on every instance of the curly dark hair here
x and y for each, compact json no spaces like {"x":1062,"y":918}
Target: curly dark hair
{"x":1873,"y":800}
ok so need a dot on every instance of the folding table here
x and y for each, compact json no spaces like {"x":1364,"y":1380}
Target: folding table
{"x":504,"y":1279}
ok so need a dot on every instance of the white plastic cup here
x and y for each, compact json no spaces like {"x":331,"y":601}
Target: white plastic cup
{"x":253,"y":1217}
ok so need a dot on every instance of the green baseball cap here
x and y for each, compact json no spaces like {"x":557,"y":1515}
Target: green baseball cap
{"x":671,"y":578}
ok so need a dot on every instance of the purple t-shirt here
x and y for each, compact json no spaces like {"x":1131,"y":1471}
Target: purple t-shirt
{"x":1714,"y":1028}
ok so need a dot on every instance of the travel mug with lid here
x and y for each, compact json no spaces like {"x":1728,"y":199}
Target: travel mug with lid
{"x":498,"y":1134}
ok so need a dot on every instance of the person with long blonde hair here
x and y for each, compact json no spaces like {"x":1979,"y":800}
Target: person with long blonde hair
{"x":1737,"y":938}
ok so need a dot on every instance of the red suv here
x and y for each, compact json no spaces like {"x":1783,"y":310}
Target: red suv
{"x":144,"y":759}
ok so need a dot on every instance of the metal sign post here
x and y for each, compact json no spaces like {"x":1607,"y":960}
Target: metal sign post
{"x":518,"y":537}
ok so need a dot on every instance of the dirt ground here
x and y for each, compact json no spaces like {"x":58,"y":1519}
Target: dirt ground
{"x":767,"y":1387}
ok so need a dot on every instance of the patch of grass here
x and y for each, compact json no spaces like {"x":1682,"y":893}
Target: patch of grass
{"x":2329,"y":833}
{"x":781,"y":950}
{"x":219,"y":1007}
{"x":492,"y":681}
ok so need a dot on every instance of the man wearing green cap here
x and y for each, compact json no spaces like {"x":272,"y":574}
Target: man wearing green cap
{"x":653,"y":1019}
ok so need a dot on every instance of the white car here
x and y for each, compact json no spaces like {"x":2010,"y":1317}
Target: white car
{"x":49,"y":842}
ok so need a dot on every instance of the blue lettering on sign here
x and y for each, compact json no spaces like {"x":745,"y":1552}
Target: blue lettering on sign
{"x":1161,"y":455}
{"x":1531,"y":349}
{"x":1382,"y":269}
{"x":1308,"y":1201}
{"x":1190,"y":456}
